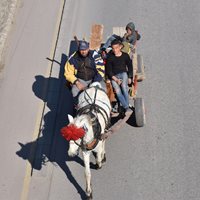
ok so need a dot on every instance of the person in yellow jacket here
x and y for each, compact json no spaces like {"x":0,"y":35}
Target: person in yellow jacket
{"x":84,"y":67}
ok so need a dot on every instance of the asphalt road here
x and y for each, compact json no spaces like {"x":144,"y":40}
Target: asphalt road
{"x":157,"y":162}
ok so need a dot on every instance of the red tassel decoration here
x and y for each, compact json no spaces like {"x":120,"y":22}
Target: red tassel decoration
{"x":71,"y":132}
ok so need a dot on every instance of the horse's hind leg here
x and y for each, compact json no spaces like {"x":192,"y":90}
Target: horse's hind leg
{"x":103,"y":152}
{"x":104,"y":158}
{"x":86,"y":157}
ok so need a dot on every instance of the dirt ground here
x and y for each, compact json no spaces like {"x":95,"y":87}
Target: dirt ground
{"x":7,"y":13}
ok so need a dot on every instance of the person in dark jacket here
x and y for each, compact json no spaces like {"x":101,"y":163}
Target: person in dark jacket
{"x":82,"y":68}
{"x":119,"y":70}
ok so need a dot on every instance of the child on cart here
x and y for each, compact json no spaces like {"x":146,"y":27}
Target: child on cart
{"x":129,"y":39}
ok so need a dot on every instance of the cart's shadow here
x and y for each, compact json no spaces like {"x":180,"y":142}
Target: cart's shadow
{"x":131,"y":120}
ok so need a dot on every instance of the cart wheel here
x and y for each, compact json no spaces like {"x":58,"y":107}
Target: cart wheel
{"x":140,"y":71}
{"x":139,"y":112}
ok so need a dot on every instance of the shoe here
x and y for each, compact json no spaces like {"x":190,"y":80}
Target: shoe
{"x":121,"y":109}
{"x":114,"y":110}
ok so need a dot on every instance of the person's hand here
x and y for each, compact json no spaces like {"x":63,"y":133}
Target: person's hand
{"x":129,"y":81}
{"x":80,"y":86}
{"x":125,"y":35}
{"x":119,"y":81}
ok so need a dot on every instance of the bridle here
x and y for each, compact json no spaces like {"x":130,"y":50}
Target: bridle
{"x":92,"y":109}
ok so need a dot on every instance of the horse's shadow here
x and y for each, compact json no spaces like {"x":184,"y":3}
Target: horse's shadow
{"x":50,"y":146}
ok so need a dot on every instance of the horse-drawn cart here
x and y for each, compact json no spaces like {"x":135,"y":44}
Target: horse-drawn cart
{"x":91,"y":126}
{"x":137,"y":103}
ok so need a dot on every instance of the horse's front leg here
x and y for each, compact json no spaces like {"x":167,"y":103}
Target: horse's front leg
{"x":73,"y":149}
{"x":86,"y":157}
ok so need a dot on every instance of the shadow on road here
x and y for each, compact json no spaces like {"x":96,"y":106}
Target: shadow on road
{"x":50,"y":145}
{"x":132,"y":120}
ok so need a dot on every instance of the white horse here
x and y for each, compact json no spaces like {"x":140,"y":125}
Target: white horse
{"x":84,"y":131}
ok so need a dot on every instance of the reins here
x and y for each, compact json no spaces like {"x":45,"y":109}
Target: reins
{"x":95,"y":120}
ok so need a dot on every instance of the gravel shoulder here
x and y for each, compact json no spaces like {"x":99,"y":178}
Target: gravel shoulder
{"x":7,"y":13}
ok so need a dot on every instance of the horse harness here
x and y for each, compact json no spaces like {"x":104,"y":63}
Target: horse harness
{"x":92,"y":109}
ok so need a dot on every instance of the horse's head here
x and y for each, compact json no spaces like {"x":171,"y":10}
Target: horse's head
{"x":78,"y":127}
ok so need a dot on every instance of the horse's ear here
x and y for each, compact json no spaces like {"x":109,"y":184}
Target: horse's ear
{"x":70,"y":118}
{"x":21,"y":145}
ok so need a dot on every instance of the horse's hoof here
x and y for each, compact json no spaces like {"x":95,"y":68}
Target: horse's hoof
{"x":90,"y":197}
{"x":104,"y":159}
{"x":98,"y":167}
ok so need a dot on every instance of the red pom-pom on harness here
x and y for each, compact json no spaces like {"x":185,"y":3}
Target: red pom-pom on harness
{"x":72,"y":132}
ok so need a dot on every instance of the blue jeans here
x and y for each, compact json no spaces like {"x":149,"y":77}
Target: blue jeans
{"x":109,"y":40}
{"x":122,"y":90}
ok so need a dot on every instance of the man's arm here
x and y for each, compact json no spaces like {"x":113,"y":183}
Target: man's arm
{"x":99,"y":67}
{"x":109,"y":72}
{"x":69,"y":75}
{"x":70,"y":71}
